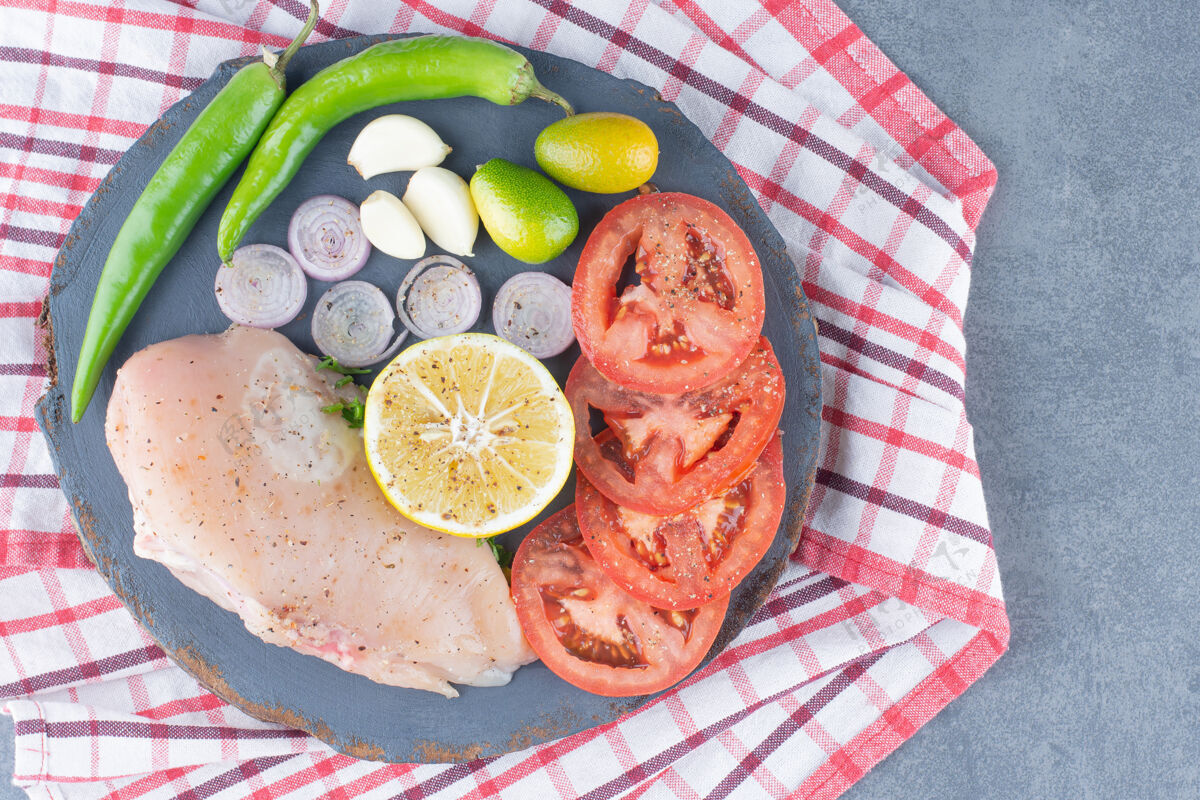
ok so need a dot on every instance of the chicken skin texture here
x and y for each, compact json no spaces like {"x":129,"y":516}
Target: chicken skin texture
{"x":255,"y":498}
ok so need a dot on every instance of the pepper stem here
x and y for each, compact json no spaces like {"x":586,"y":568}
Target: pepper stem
{"x":281,"y":61}
{"x":542,"y":93}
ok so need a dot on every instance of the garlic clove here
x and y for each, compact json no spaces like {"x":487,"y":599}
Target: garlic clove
{"x":395,"y":143}
{"x":441,"y":202}
{"x":390,"y":226}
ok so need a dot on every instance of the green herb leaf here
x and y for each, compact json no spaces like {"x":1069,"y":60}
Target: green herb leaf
{"x":353,"y":412}
{"x":342,"y":381}
{"x":504,"y":556}
{"x":329,"y":362}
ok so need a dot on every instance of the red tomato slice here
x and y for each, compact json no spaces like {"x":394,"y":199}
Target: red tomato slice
{"x":589,"y":631}
{"x":661,"y":454}
{"x":694,"y":557}
{"x":697,"y":309}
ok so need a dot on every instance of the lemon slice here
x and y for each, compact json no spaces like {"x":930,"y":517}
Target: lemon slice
{"x":468,"y":434}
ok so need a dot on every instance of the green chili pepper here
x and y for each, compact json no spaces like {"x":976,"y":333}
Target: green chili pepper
{"x":167,"y":210}
{"x":421,"y":68}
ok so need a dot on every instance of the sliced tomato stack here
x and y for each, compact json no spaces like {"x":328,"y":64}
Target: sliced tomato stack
{"x":696,"y":556}
{"x":680,"y":477}
{"x":591,"y":632}
{"x":663,"y":453}
{"x":668,"y":295}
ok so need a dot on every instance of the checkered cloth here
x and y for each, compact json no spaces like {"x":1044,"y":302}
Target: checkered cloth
{"x":891,"y":605}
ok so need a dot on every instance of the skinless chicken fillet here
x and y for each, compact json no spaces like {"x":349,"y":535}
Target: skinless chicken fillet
{"x":255,"y":498}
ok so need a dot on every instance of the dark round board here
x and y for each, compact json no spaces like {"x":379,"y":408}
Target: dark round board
{"x":351,"y":713}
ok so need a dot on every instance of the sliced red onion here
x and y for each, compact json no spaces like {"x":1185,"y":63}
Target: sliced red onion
{"x":327,"y":239}
{"x":354,"y":323}
{"x":264,"y":287}
{"x":533,"y":311}
{"x":439,"y":296}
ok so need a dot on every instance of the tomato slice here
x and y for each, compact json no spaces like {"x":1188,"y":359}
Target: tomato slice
{"x":694,"y":557}
{"x":589,"y":631}
{"x":696,"y":308}
{"x":660,"y":454}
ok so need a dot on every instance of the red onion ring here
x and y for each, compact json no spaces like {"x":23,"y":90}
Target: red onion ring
{"x":326,"y":238}
{"x":439,"y":296}
{"x":264,"y":287}
{"x":354,"y":322}
{"x":533,"y":311}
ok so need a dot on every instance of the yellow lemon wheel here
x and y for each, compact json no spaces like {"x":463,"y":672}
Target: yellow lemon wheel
{"x":468,"y":434}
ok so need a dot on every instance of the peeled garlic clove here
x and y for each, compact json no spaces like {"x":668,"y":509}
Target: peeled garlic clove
{"x":441,"y":202}
{"x":395,"y":143}
{"x":389,"y":226}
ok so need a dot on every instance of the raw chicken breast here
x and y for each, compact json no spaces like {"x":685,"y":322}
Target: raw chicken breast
{"x":255,"y":498}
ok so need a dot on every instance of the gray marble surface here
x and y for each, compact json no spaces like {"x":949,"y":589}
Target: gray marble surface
{"x":1083,"y":378}
{"x":1084,"y":374}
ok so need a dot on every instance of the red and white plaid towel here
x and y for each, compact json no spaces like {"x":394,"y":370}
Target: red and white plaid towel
{"x":892,"y":604}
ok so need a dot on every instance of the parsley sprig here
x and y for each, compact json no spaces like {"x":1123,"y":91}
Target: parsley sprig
{"x":504,"y":556}
{"x":329,"y":362}
{"x":352,"y":412}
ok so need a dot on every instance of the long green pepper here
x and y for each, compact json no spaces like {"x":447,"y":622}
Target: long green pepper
{"x":420,"y":68}
{"x":178,"y":193}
